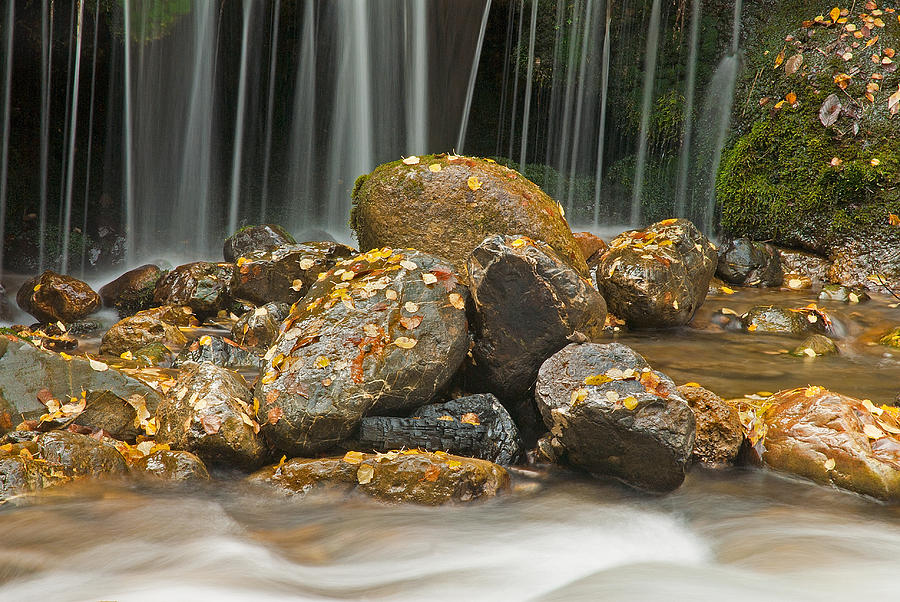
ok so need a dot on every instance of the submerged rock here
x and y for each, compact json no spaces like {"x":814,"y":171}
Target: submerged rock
{"x":259,"y":326}
{"x":53,"y":297}
{"x":815,"y":345}
{"x":202,"y":285}
{"x":781,"y":320}
{"x":843,"y":294}
{"x":832,"y":438}
{"x":378,"y":334}
{"x":615,"y":416}
{"x":285,"y":273}
{"x":749,"y":263}
{"x":255,"y":238}
{"x":528,"y":305}
{"x":719,"y":431}
{"x":132,"y":291}
{"x":657,"y":277}
{"x":447,"y":205}
{"x":476,"y":426}
{"x":891,"y":338}
{"x":409,"y":476}
{"x":140,"y":330}
{"x":209,"y":412}
{"x":219,"y":351}
{"x":172,"y":465}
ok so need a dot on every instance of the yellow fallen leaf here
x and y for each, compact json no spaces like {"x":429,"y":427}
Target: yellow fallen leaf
{"x":353,"y":457}
{"x":434,"y":167}
{"x":519,"y":242}
{"x":474,"y":183}
{"x":752,"y":327}
{"x":37,"y":287}
{"x":727,"y":291}
{"x":779,"y":59}
{"x":874,"y":162}
{"x":405,"y":342}
{"x":446,"y":418}
{"x":691,"y":384}
{"x":390,"y":294}
{"x":454,"y":464}
{"x":630,"y":403}
{"x":835,"y":14}
{"x":365,"y":473}
{"x":206,"y":340}
{"x":578,"y":395}
{"x":127,"y":355}
{"x":456,"y":300}
{"x":98,"y":365}
{"x":829,"y":464}
{"x":873,"y":432}
{"x":322,"y":362}
{"x":411,"y":160}
{"x":791,"y":98}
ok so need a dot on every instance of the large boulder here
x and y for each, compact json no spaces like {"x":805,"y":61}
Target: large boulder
{"x":447,"y":204}
{"x":29,"y":374}
{"x":132,"y":291}
{"x":284,"y":273}
{"x":657,"y":277}
{"x":202,"y":285}
{"x":208,"y":412}
{"x":409,"y":476}
{"x":52,"y":297}
{"x":140,"y":330}
{"x":749,"y":263}
{"x":379,"y":333}
{"x":613,"y":415}
{"x":255,"y":238}
{"x":833,"y":438}
{"x":719,"y":432}
{"x":220,"y":351}
{"x":528,"y":305}
{"x":477,"y":426}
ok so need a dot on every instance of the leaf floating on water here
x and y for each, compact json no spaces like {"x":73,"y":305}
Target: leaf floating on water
{"x":829,"y":464}
{"x":411,"y":160}
{"x":365,"y":474}
{"x":474,"y":183}
{"x":98,"y":365}
{"x":405,"y":342}
{"x":456,"y":300}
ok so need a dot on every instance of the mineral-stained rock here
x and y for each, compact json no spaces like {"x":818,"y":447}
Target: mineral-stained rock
{"x":285,"y":273}
{"x":208,"y":412}
{"x":829,"y":437}
{"x":410,"y":476}
{"x":477,"y":426}
{"x":203,"y":286}
{"x":719,"y":432}
{"x":749,"y":263}
{"x":51,"y":297}
{"x":218,"y":351}
{"x":259,"y":326}
{"x":591,"y":245}
{"x":447,"y":205}
{"x":378,"y":334}
{"x":172,"y":465}
{"x":528,"y":305}
{"x":79,"y":455}
{"x":255,"y":238}
{"x":28,"y":374}
{"x":132,"y":291}
{"x":782,"y":320}
{"x":615,"y":416}
{"x":176,"y":315}
{"x":140,"y":330}
{"x":657,"y":277}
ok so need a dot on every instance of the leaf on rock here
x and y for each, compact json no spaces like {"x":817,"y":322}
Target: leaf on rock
{"x":365,"y":473}
{"x":474,"y":183}
{"x":470,"y":418}
{"x":456,"y":300}
{"x":98,"y":365}
{"x":779,"y":59}
{"x":429,"y":278}
{"x":432,"y":474}
{"x":829,"y":464}
{"x":792,"y":65}
{"x":894,"y":101}
{"x":410,"y":322}
{"x":873,"y":432}
{"x":893,"y":219}
{"x":353,"y":457}
{"x":211,"y":424}
{"x":411,"y":160}
{"x":405,"y":342}
{"x":274,"y":415}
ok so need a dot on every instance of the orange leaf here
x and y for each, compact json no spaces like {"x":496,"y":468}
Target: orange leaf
{"x":432,"y":474}
{"x":791,"y":98}
{"x":893,"y":219}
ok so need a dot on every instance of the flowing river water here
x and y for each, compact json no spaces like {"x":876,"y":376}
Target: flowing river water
{"x":737,"y":534}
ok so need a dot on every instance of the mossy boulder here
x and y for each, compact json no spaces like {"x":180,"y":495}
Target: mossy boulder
{"x":409,"y":476}
{"x":132,"y":291}
{"x":447,"y":204}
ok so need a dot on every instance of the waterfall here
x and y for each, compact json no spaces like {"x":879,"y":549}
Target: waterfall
{"x":473,"y":75}
{"x":417,"y":85}
{"x":7,"y":93}
{"x":73,"y":128}
{"x":238,"y":150}
{"x":46,"y":71}
{"x":128,"y":191}
{"x":604,"y":96}
{"x":646,"y":104}
{"x":685,"y":159}
{"x":529,"y":80}
{"x":270,"y":109}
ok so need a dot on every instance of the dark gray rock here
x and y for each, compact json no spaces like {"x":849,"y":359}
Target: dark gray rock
{"x":781,"y":320}
{"x":259,"y":326}
{"x":132,"y":291}
{"x":218,"y":351}
{"x":749,"y":263}
{"x":172,"y":465}
{"x":202,"y":285}
{"x":255,"y":238}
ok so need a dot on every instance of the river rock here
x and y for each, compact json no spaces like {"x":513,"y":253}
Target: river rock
{"x":140,"y":330}
{"x":615,"y":416}
{"x":20,"y":472}
{"x":209,"y":412}
{"x":202,"y":285}
{"x":868,"y":261}
{"x":409,"y":477}
{"x":719,"y":431}
{"x":176,"y":315}
{"x":833,"y":438}
{"x":447,"y":205}
{"x":891,"y":338}
{"x":259,"y":326}
{"x":53,"y":297}
{"x":771,"y":319}
{"x":172,"y":465}
{"x":657,"y":277}
{"x":476,"y":426}
{"x":28,"y":374}
{"x":219,"y":351}
{"x":6,"y":309}
{"x":843,"y":294}
{"x":7,"y":411}
{"x":78,"y":455}
{"x":749,"y":263}
{"x":381,"y":333}
{"x":528,"y":305}
{"x":110,"y":413}
{"x":815,"y":345}
{"x":806,"y":264}
{"x":255,"y":238}
{"x":285,"y":273}
{"x":132,"y":291}
{"x":591,"y":245}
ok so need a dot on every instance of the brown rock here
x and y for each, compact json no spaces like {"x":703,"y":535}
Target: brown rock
{"x":53,"y":297}
{"x":132,"y":291}
{"x":139,"y":330}
{"x":591,"y":245}
{"x":202,"y":285}
{"x":172,"y":465}
{"x":719,"y":432}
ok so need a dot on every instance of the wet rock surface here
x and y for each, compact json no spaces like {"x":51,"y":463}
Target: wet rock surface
{"x":870,"y":262}
{"x":203,"y":286}
{"x":381,"y":333}
{"x":107,"y":412}
{"x":528,"y":305}
{"x":782,"y":320}
{"x":719,"y":432}
{"x":810,"y":265}
{"x":657,"y":277}
{"x":285,"y":273}
{"x":140,"y":330}
{"x":749,"y":263}
{"x":52,"y":297}
{"x":615,"y":416}
{"x":447,"y":205}
{"x":259,"y":326}
{"x":815,"y":345}
{"x":79,"y":455}
{"x":843,"y":294}
{"x":172,"y":465}
{"x":176,"y":315}
{"x":833,"y":438}
{"x":262,"y":237}
{"x":591,"y":245}
{"x":219,"y":351}
{"x":476,"y":426}
{"x":410,"y":476}
{"x":208,"y":412}
{"x":132,"y":291}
